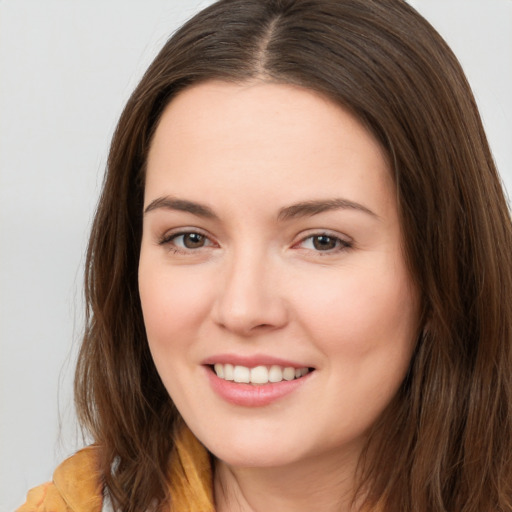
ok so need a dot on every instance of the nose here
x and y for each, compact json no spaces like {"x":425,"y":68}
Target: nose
{"x":250,"y":299}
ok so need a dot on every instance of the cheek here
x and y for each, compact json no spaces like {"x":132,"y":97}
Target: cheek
{"x":172,"y":303}
{"x":359,"y":312}
{"x":365,"y":325}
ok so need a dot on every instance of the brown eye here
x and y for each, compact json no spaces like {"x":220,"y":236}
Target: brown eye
{"x":192,"y":240}
{"x":324,"y":242}
{"x":186,"y":241}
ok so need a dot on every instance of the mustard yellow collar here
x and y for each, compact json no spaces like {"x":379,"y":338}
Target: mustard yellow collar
{"x":78,"y":479}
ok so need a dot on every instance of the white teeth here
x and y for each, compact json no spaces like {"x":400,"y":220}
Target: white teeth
{"x":275,"y":374}
{"x":289,"y":373}
{"x":258,"y":374}
{"x":228,"y":372}
{"x":241,"y":374}
{"x":219,"y":370}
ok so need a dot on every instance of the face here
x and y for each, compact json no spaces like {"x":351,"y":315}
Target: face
{"x":278,"y":307}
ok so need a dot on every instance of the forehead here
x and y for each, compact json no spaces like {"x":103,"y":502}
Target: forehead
{"x":262,"y":137}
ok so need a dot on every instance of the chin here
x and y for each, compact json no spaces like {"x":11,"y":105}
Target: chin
{"x":253,"y":458}
{"x":245,"y":450}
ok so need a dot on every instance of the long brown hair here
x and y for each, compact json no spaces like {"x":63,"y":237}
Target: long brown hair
{"x":445,"y":442}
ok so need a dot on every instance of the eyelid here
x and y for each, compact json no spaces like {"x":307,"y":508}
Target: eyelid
{"x":344,"y":241}
{"x":168,"y":237}
{"x":343,"y":244}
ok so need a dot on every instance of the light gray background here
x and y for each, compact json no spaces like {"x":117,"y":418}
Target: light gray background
{"x":66,"y":70}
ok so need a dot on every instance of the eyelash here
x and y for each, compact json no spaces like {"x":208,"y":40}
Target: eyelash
{"x":340,"y":244}
{"x":169,"y":240}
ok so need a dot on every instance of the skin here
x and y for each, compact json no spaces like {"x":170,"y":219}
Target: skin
{"x":259,"y":284}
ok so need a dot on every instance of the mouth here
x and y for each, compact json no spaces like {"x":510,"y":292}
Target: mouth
{"x":258,"y":375}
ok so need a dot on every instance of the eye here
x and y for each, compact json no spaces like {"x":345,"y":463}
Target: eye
{"x":186,"y":241}
{"x":324,"y":243}
{"x":190,"y":240}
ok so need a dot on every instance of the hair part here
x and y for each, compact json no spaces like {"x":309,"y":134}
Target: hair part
{"x":444,"y":443}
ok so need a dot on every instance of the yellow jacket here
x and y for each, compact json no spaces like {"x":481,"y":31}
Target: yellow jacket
{"x":77,"y":483}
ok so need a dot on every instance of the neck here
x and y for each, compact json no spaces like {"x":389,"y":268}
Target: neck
{"x":320,"y":485}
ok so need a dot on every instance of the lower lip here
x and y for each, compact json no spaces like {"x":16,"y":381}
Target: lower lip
{"x":249,"y":395}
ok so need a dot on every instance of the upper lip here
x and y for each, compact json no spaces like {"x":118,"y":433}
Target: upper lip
{"x":252,"y":361}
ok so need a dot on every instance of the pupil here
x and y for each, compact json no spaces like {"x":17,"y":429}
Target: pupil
{"x":324,"y":243}
{"x":193,"y":240}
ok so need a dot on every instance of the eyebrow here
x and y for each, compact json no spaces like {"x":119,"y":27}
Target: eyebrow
{"x":182,"y":205}
{"x":310,"y":208}
{"x":303,"y":209}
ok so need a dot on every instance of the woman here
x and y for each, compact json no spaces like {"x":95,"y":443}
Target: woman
{"x":298,"y":277}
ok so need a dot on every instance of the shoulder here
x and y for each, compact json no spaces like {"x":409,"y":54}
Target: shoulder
{"x":76,"y":486}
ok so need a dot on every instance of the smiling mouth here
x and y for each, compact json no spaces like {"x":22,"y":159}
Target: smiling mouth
{"x":258,"y":375}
